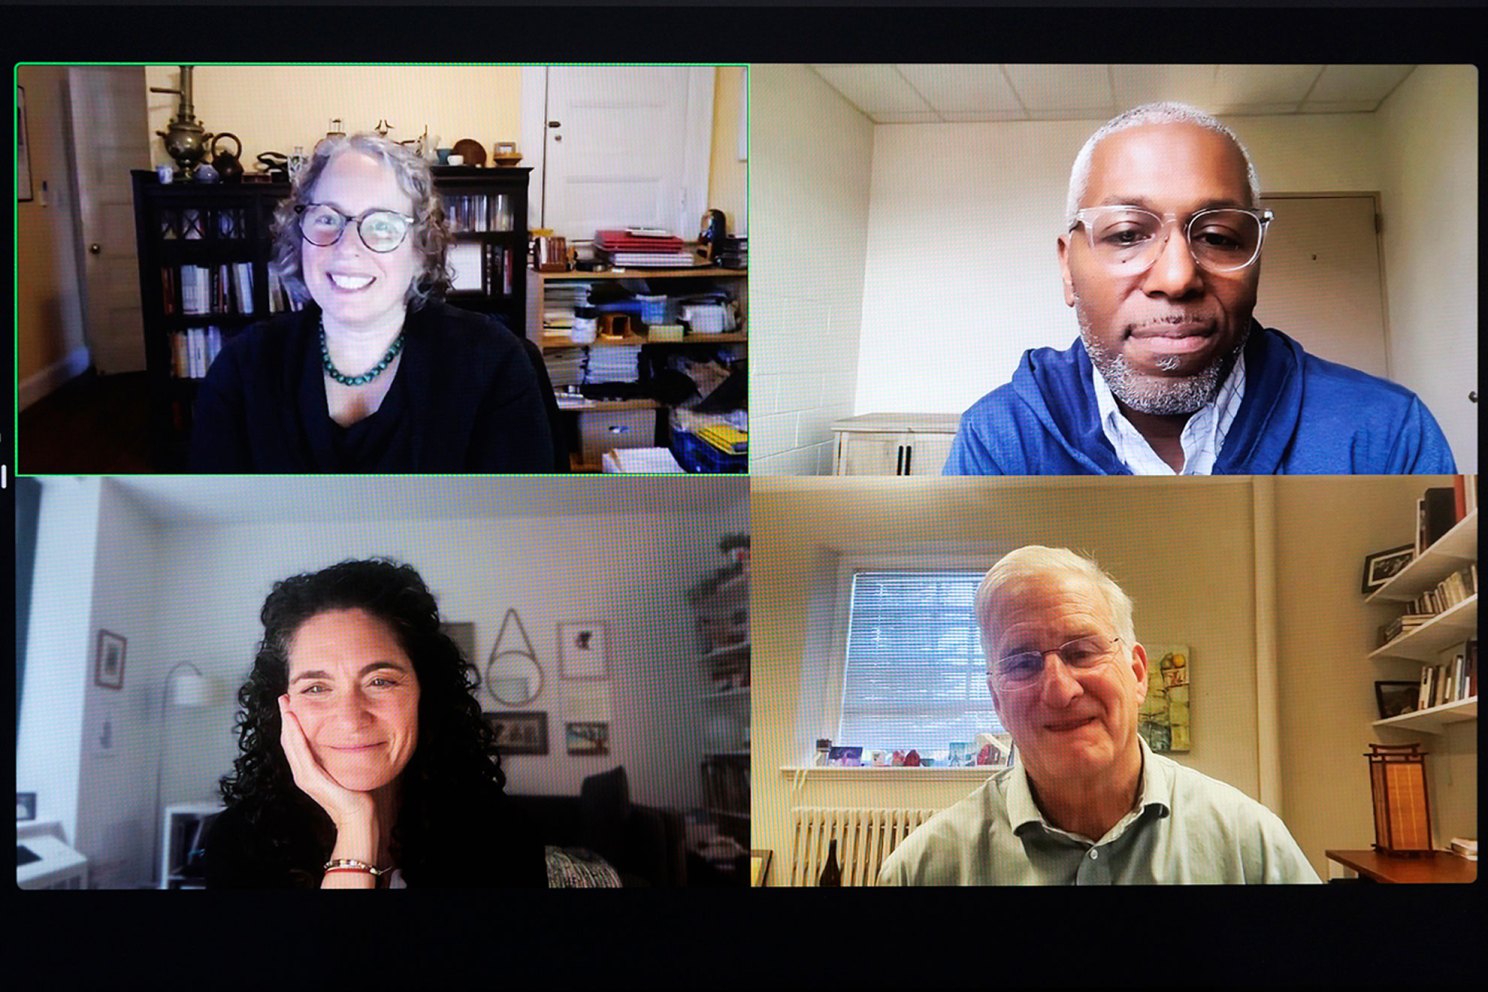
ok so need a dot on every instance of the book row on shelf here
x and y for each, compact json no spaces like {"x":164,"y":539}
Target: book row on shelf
{"x":1441,"y":507}
{"x":726,"y":784}
{"x":220,"y":289}
{"x":1451,"y":681}
{"x":477,"y":267}
{"x":193,"y":350}
{"x":478,"y":212}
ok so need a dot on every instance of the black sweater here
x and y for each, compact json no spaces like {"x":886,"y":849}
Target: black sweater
{"x":466,"y":398}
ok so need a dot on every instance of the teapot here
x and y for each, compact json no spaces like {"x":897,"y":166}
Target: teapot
{"x":226,"y":163}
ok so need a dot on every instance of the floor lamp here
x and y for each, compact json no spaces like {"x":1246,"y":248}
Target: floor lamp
{"x":190,"y":689}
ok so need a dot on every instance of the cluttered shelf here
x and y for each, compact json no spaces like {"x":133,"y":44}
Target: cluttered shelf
{"x":1433,"y":719}
{"x":553,"y":340}
{"x":701,"y":271}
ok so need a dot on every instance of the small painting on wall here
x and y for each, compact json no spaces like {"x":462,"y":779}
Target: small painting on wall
{"x":588,"y":738}
{"x":108,"y":665}
{"x":520,"y":732}
{"x":1164,"y":720}
{"x":581,"y":650}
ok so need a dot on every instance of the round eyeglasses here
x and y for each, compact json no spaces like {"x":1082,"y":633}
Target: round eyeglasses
{"x":1026,"y":668}
{"x":380,"y":230}
{"x":1128,"y":240}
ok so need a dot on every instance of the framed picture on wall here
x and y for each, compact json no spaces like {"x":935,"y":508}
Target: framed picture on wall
{"x":588,"y":738}
{"x":1382,"y":566}
{"x":108,"y":665}
{"x":520,"y":732}
{"x":581,"y":650}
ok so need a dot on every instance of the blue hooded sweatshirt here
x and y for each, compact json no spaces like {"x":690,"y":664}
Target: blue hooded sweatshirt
{"x":1300,"y":415}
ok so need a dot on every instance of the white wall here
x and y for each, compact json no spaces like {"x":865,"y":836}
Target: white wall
{"x":962,"y":274}
{"x":1428,"y":142}
{"x":810,"y":156}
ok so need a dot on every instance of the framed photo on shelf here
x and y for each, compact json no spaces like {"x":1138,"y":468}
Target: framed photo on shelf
{"x":520,"y":732}
{"x":25,"y":806}
{"x":581,"y":650}
{"x":108,"y":664}
{"x":1396,"y":698}
{"x":1382,"y":566}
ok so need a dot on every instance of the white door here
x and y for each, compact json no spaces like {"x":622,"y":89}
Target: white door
{"x":108,"y":136}
{"x":623,"y":146}
{"x":1321,"y":281}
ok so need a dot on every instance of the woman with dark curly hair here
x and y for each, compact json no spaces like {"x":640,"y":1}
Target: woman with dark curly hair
{"x":376,"y":374}
{"x":364,"y":760}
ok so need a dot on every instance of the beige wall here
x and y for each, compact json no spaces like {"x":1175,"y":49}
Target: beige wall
{"x":1188,"y":556}
{"x":49,"y":317}
{"x":728,"y":175}
{"x":274,"y":108}
{"x":1325,"y":632}
{"x":811,"y":153}
{"x":1429,"y":190}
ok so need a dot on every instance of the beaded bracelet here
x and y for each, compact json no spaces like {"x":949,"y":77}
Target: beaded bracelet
{"x":352,"y":864}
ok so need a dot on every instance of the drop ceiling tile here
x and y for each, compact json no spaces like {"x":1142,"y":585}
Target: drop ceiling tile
{"x":982,"y":116}
{"x":1048,"y":88}
{"x":1253,"y":109}
{"x":1339,"y":106}
{"x":1096,"y":115}
{"x":873,"y":89}
{"x":957,"y":88}
{"x":1139,"y":84}
{"x":1358,"y":82}
{"x":905,"y":117}
{"x":1263,"y":84}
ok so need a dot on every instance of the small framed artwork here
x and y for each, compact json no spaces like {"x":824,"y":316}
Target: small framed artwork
{"x":108,"y":666}
{"x":1396,"y":698}
{"x":581,"y":650}
{"x":520,"y":732}
{"x":1382,"y":566}
{"x":25,"y":806}
{"x":588,"y":738}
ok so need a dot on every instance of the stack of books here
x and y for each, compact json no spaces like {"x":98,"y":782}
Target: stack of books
{"x":627,"y":250}
{"x":729,"y":440}
{"x":1465,"y":847}
{"x":1403,"y":624}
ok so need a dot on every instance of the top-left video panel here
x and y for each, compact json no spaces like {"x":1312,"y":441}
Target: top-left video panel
{"x":382,"y":269}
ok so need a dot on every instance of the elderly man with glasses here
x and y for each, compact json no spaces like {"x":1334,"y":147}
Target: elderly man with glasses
{"x":1172,"y":375}
{"x":1087,"y":802}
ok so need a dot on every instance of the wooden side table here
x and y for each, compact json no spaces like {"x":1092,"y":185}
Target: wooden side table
{"x":1436,"y":868}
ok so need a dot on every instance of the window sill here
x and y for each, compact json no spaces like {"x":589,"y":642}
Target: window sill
{"x":974,"y":773}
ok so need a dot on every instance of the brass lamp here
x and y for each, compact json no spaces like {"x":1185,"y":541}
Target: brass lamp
{"x":1402,"y":816}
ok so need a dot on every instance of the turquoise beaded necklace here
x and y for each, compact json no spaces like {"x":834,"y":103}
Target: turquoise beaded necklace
{"x":365,"y":377}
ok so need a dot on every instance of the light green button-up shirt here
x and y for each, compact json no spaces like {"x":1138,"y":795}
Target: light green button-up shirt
{"x":1186,"y":828}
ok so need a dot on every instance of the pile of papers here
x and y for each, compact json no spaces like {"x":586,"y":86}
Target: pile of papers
{"x":626,"y":250}
{"x":640,"y":460}
{"x":1466,"y":847}
{"x":618,"y":364}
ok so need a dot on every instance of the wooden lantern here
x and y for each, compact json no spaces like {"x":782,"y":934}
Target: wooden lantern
{"x":1402,"y":817}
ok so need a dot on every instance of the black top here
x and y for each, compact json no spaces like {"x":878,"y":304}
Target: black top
{"x":486,"y":844}
{"x":466,"y":397}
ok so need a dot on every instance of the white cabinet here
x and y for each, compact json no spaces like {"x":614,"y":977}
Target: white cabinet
{"x":894,"y":443}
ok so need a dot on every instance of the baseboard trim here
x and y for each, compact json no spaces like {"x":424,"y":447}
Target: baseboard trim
{"x":53,"y":377}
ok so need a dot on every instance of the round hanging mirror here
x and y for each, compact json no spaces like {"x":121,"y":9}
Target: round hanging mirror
{"x":513,"y":678}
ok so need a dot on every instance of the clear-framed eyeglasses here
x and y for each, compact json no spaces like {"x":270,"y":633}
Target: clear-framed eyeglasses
{"x":381,"y":231}
{"x":1026,"y":668}
{"x":1127,"y":239}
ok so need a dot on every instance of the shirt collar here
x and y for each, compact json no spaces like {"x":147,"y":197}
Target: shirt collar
{"x":1202,"y":437}
{"x":1155,"y":785}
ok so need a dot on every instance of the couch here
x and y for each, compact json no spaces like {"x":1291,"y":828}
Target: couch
{"x":645,"y":845}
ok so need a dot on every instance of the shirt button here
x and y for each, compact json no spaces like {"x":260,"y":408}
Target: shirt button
{"x":1094,"y":854}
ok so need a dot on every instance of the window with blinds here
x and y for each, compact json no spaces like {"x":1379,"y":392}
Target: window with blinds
{"x":914,"y":675}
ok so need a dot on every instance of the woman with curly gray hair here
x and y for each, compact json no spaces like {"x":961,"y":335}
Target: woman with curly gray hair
{"x":376,"y":373}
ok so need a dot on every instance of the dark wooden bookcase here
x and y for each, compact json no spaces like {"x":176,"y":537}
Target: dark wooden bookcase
{"x":211,"y":225}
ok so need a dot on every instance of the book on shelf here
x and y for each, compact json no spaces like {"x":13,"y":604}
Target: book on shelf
{"x":193,"y":350}
{"x":242,"y":281}
{"x":1437,"y":515}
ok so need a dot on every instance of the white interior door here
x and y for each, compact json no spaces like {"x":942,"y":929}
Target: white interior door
{"x":108,"y":135}
{"x":1321,"y":280}
{"x":624,"y":146}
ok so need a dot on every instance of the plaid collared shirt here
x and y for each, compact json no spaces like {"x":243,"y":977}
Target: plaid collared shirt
{"x":1202,"y":436}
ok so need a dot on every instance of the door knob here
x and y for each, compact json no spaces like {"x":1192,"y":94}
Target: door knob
{"x":95,"y":248}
